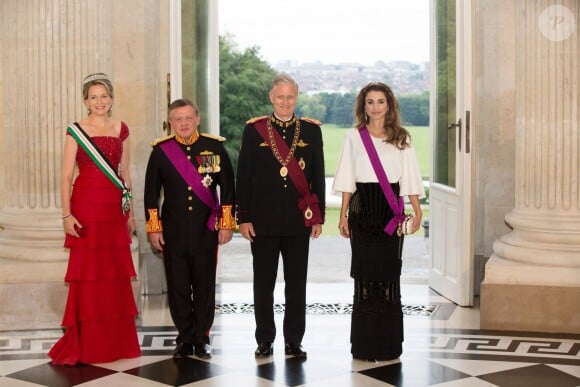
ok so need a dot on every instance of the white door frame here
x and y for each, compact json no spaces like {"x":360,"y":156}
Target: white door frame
{"x":451,"y":208}
{"x":175,"y":57}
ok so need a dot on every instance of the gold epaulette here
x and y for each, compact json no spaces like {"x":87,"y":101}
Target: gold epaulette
{"x":252,"y":120}
{"x":160,"y":140}
{"x":311,"y":120}
{"x":213,"y":136}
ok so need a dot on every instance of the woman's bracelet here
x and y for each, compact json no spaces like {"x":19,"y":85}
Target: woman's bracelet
{"x":66,"y":216}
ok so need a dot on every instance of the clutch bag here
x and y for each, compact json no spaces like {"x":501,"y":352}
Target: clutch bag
{"x":406,"y":226}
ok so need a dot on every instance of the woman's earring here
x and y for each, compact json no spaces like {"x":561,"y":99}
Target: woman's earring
{"x":366,"y":117}
{"x":89,"y":111}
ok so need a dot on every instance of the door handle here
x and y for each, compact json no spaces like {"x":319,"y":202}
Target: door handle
{"x":467,"y":131}
{"x":457,"y":125}
{"x":165,"y":125}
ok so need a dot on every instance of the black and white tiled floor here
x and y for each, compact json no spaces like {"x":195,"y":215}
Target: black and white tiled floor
{"x":443,"y":347}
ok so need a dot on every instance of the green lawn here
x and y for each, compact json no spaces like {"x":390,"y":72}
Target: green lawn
{"x":333,"y":136}
{"x":330,"y":227}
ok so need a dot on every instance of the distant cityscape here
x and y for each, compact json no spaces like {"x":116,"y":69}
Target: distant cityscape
{"x":403,"y":77}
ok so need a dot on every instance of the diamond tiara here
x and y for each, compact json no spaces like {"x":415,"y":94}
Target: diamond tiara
{"x":94,"y":77}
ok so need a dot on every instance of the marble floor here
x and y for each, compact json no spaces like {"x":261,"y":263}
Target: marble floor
{"x":443,"y":347}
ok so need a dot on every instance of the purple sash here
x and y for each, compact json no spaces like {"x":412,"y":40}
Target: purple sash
{"x":193,"y":179}
{"x":397,"y":206}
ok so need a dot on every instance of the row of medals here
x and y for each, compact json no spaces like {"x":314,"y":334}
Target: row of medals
{"x":208,"y":164}
{"x":211,"y":164}
{"x":284,"y":169}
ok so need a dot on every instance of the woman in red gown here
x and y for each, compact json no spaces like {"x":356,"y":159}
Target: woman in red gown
{"x":99,"y":319}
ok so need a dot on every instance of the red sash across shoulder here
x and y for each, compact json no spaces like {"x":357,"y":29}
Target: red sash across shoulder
{"x":308,"y":202}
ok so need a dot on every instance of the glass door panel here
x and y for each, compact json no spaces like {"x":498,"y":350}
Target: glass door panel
{"x":445,"y":89}
{"x":195,"y":54}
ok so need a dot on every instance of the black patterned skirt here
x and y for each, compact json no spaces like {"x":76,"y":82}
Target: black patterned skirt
{"x":377,"y":316}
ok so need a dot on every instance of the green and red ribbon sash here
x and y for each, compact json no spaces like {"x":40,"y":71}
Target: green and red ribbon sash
{"x":85,"y":142}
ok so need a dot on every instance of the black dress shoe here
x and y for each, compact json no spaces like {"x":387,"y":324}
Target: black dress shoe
{"x":202,"y":350}
{"x":182,"y":350}
{"x":294,"y":350}
{"x":264,"y":350}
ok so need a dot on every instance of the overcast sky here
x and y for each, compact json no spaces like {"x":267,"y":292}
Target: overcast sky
{"x":331,"y":31}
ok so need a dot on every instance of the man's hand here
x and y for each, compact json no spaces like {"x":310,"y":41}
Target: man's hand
{"x":157,"y":241}
{"x":316,"y":231}
{"x":224,"y":236}
{"x":247,"y":231}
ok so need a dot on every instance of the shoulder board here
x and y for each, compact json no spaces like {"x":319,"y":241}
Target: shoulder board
{"x":311,"y":120}
{"x":252,"y":120}
{"x":213,"y":137}
{"x":162,"y":139}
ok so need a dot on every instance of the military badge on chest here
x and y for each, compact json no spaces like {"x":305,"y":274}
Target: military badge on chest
{"x":208,"y":163}
{"x":302,"y":163}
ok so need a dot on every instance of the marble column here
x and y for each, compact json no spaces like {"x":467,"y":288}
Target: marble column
{"x":532,"y":280}
{"x":47,"y":46}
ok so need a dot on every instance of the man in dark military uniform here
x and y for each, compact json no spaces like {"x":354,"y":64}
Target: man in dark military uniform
{"x":280,"y":205}
{"x":188,"y":167}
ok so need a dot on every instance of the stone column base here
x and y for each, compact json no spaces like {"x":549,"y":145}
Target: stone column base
{"x":39,"y":303}
{"x":530,"y":308}
{"x":29,"y":306}
{"x":33,"y":294}
{"x":32,"y":305}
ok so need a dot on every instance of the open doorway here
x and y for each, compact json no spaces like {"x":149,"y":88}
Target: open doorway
{"x":332,"y":57}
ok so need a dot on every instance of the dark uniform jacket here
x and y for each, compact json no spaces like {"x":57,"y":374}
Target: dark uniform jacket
{"x":183,"y":215}
{"x":263,"y":196}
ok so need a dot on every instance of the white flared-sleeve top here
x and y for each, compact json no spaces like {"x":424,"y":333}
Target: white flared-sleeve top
{"x":354,"y":166}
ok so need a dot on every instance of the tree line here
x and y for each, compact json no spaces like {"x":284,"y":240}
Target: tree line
{"x":337,"y":108}
{"x":245,"y":83}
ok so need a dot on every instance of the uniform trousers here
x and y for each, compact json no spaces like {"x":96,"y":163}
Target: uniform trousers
{"x":266,"y":251}
{"x":191,"y":293}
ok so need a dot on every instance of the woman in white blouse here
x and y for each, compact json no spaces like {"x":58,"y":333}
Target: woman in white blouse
{"x":377,"y":317}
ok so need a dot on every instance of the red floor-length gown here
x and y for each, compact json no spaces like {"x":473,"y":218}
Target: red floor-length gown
{"x":99,"y":319}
